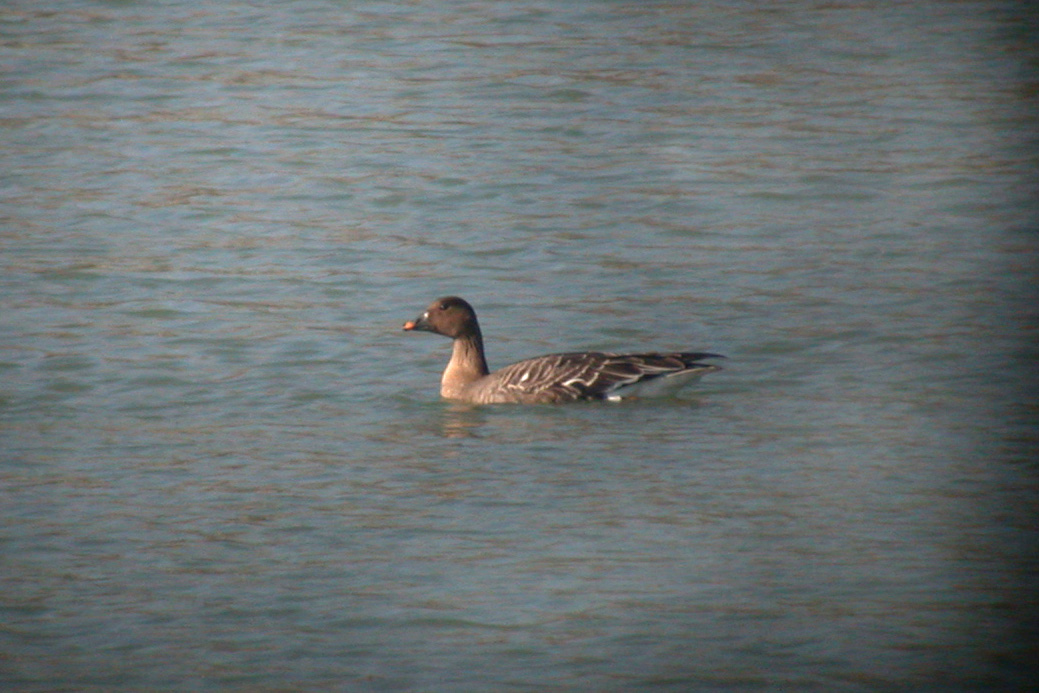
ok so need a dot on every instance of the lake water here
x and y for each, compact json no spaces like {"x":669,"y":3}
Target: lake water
{"x":224,"y":467}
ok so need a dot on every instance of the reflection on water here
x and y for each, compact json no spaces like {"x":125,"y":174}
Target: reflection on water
{"x":222,"y":466}
{"x":462,"y":420}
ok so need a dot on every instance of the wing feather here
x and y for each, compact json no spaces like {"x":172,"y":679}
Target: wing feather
{"x":591,"y":375}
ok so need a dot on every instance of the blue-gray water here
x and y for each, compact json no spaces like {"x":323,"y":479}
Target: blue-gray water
{"x":225,"y":468}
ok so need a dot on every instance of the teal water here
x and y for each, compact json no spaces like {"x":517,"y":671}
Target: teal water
{"x":224,"y":467}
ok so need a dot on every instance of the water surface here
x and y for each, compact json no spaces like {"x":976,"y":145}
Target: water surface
{"x":225,"y":468}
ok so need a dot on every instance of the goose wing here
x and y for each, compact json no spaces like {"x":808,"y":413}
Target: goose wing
{"x":591,"y":375}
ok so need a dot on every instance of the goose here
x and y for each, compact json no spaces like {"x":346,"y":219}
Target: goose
{"x":554,"y":378}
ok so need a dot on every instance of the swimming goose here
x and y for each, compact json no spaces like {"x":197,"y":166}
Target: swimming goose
{"x":554,"y":378}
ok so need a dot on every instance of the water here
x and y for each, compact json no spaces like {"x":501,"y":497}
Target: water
{"x":225,"y":467}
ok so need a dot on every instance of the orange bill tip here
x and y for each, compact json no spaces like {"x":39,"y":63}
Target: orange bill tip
{"x":409,"y":325}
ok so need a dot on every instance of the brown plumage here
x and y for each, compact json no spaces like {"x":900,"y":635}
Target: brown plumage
{"x":553,"y":378}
